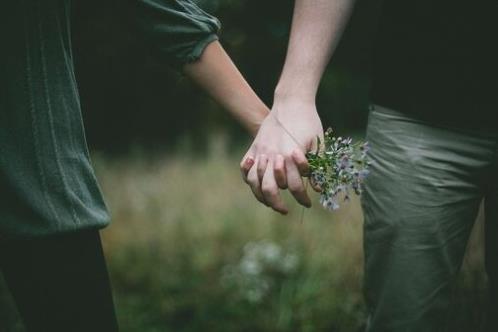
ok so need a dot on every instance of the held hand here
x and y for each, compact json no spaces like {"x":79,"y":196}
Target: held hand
{"x":276,"y":158}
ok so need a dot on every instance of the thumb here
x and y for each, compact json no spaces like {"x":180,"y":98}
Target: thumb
{"x":315,"y":144}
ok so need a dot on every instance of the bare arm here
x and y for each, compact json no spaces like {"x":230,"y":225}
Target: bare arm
{"x":216,"y":74}
{"x":275,"y":160}
{"x":317,"y":27}
{"x":183,"y":34}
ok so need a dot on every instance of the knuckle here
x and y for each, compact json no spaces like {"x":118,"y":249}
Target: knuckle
{"x":261,"y":148}
{"x":303,"y":162}
{"x":254,"y":183}
{"x":296,"y":189}
{"x":279,"y":168}
{"x":298,"y":153}
{"x":280,"y":179}
{"x":269,"y":190}
{"x":244,"y":164}
{"x":257,"y":146}
{"x":281,"y":184}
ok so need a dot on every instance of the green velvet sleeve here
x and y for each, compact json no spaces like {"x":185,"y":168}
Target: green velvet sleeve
{"x":178,"y":30}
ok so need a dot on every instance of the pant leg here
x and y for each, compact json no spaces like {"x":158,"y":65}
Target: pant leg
{"x":491,"y":256}
{"x":60,"y":283}
{"x":420,"y":203}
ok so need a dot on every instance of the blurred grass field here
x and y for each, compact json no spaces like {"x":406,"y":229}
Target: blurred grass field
{"x":190,"y":250}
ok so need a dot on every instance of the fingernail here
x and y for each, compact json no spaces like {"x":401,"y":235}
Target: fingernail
{"x":249,"y":161}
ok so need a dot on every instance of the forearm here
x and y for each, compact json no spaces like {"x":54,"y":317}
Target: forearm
{"x":216,"y":74}
{"x":316,"y":29}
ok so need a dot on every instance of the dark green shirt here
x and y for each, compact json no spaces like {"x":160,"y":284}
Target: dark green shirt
{"x":437,"y":60}
{"x":47,"y":184}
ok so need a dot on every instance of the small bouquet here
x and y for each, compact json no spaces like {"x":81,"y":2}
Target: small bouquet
{"x":338,"y":167}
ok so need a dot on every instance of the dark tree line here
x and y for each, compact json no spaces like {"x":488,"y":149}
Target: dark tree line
{"x":128,"y":96}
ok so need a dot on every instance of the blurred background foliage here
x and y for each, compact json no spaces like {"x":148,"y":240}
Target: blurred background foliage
{"x":189,"y":248}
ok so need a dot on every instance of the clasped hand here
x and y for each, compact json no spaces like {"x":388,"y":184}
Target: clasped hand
{"x":276,"y":159}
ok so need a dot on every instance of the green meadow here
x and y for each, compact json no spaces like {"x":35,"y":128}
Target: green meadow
{"x":190,"y":249}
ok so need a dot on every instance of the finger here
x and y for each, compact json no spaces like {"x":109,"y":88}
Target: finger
{"x":270,"y":190}
{"x":279,"y":171}
{"x":262,"y":163}
{"x":301,"y":162}
{"x":255,"y":184}
{"x":295,"y":184}
{"x":314,"y":144}
{"x":245,"y":166}
{"x":316,"y":187}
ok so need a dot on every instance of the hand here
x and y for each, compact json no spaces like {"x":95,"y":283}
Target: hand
{"x":277,"y":160}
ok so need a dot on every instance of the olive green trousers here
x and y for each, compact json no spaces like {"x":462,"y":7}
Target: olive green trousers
{"x":420,"y":203}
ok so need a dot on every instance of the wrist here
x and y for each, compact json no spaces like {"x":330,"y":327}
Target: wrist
{"x":255,"y":119}
{"x":293,"y":103}
{"x":284,"y":95}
